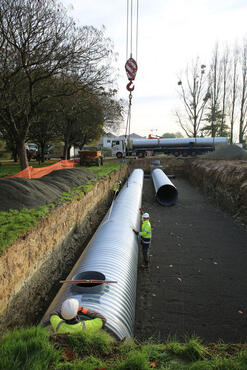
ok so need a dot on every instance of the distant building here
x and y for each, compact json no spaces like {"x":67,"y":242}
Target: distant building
{"x":107,"y":139}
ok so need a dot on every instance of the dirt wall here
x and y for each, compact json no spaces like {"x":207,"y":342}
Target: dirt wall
{"x":170,"y":165}
{"x":225,"y":182}
{"x":31,"y":268}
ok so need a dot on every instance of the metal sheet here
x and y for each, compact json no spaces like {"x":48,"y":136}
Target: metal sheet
{"x":113,"y":251}
{"x":165,"y":192}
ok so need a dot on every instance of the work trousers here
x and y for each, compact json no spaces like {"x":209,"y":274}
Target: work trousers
{"x":145,"y":249}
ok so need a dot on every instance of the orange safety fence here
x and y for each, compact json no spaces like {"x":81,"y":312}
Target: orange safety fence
{"x":34,"y":173}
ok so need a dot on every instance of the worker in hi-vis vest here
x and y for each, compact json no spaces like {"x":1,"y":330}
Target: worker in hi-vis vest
{"x":117,"y":187}
{"x":145,"y":234}
{"x":67,"y":321}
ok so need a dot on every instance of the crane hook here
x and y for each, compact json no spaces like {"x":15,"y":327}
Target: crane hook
{"x":128,"y":86}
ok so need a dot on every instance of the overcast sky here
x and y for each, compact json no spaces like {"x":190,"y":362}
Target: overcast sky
{"x":172,"y":33}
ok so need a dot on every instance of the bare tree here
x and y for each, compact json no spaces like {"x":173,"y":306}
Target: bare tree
{"x":243,"y":94}
{"x":37,"y":42}
{"x":225,"y":62}
{"x":233,"y":90}
{"x":214,"y":88}
{"x":194,"y":95}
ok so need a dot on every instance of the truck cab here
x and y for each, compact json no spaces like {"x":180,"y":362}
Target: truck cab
{"x":32,"y":150}
{"x":118,"y":148}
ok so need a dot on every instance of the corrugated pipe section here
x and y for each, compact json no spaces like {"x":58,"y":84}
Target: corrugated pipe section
{"x":166,"y":192}
{"x":195,"y":142}
{"x":112,"y":254}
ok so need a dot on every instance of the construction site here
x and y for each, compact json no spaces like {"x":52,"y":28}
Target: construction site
{"x":195,"y":283}
{"x":123,"y":204}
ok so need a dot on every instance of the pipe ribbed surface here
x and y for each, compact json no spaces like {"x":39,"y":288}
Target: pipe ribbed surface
{"x":112,"y":254}
{"x":187,"y":142}
{"x":166,"y":192}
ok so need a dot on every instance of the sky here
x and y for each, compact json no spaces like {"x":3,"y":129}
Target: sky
{"x":171,"y":34}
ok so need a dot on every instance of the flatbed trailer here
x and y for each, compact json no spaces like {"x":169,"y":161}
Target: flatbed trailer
{"x":184,"y":146}
{"x":177,"y":151}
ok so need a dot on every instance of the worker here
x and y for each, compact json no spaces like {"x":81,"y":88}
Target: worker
{"x":67,"y":320}
{"x":117,"y":187}
{"x":145,"y":234}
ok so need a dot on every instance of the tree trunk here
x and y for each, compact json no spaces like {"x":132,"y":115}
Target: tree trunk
{"x":65,"y":150}
{"x":21,"y":150}
{"x":68,"y":152}
{"x":42,"y":152}
{"x":14,"y":154}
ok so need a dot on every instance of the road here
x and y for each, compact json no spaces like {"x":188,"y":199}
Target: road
{"x":196,"y":283}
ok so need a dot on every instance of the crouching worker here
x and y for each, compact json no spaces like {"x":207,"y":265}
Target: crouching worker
{"x":67,"y":321}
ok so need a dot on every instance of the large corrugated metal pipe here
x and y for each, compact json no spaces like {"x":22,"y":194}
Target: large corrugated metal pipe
{"x":166,"y":193}
{"x":112,"y":255}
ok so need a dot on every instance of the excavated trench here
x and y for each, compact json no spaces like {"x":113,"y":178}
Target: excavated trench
{"x":31,"y":268}
{"x":29,"y":282}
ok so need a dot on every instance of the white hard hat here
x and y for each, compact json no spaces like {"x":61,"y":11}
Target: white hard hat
{"x":145,"y":215}
{"x":69,"y":308}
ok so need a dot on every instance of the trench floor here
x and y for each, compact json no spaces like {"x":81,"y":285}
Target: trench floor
{"x":196,"y":282}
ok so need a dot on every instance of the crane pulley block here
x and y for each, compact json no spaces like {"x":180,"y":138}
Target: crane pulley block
{"x":131,"y":69}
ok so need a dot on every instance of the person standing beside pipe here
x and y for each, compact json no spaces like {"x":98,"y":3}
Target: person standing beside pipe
{"x":145,"y":234}
{"x":67,"y":321}
{"x":116,"y":188}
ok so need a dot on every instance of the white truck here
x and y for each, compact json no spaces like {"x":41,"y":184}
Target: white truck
{"x":32,"y":150}
{"x":178,"y":146}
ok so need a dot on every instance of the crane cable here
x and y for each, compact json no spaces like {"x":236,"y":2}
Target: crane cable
{"x":131,"y":64}
{"x":129,"y":35}
{"x":131,"y":69}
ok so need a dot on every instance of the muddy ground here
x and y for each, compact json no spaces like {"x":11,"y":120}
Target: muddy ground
{"x":196,"y":283}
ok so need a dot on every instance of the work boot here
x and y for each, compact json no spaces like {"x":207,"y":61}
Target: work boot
{"x":145,"y":265}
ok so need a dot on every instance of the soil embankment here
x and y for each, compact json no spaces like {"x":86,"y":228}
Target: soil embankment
{"x":18,"y":192}
{"x":225,"y":182}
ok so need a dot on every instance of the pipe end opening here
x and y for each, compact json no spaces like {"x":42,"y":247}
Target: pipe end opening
{"x":167,"y":195}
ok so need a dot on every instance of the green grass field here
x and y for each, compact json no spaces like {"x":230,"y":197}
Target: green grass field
{"x":35,"y":348}
{"x":15,"y":223}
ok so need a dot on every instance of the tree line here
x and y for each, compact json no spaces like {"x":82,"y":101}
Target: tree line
{"x":215,"y":97}
{"x":56,"y":79}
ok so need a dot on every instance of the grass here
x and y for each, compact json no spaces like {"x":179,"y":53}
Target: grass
{"x":192,"y":349}
{"x":15,"y":223}
{"x":107,"y":168}
{"x":34,"y":348}
{"x":91,"y":343}
{"x":27,"y":349}
{"x":12,"y":168}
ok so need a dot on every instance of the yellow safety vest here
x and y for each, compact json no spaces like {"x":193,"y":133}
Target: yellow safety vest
{"x":61,"y":326}
{"x":116,"y":187}
{"x":146,"y":230}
